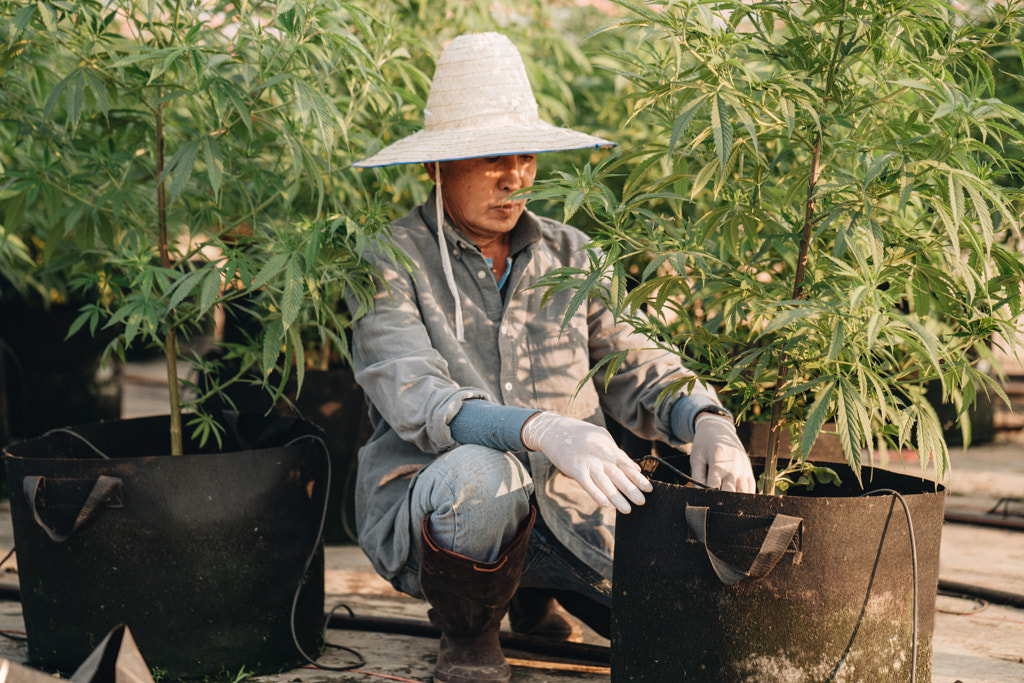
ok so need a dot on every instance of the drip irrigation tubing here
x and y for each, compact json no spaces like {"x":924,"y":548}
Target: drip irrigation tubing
{"x":990,"y":595}
{"x":1003,"y":519}
{"x":985,"y":520}
{"x":594,"y":654}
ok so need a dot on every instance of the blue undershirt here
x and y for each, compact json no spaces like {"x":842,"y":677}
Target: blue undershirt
{"x":508,"y":269}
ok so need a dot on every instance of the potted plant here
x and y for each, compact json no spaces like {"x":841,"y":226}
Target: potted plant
{"x":811,"y":214}
{"x":43,"y":382}
{"x":188,"y":151}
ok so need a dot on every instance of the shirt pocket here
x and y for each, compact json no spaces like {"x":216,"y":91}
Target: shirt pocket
{"x":559,"y":359}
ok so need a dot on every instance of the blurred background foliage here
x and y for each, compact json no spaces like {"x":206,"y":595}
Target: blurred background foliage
{"x":373,"y":61}
{"x":265,"y":117}
{"x":172,"y":169}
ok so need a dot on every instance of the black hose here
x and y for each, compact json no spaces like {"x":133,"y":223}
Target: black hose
{"x":597,"y":654}
{"x":991,"y":595}
{"x":986,"y":519}
{"x":359,"y":661}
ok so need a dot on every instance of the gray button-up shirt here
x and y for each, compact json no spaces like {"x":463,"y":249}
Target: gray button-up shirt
{"x":417,"y":375}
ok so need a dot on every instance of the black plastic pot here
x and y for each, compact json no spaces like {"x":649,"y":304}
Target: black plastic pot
{"x":202,"y":556}
{"x":47,"y":382}
{"x":333,"y":401}
{"x":830,"y":591}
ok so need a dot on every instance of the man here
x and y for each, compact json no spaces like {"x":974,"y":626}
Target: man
{"x":486,"y":480}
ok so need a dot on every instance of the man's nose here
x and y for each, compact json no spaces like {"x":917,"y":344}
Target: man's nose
{"x":512,"y":172}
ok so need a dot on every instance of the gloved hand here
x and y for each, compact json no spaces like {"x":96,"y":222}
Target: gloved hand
{"x":717,"y":457}
{"x":588,"y":454}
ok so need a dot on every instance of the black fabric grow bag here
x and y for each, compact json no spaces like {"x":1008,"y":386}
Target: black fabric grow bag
{"x":200,"y":555}
{"x":837,"y":605}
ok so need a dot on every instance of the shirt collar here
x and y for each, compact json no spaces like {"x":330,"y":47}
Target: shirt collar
{"x":526,"y":232}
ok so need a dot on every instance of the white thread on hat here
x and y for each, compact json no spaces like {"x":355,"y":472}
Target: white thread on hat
{"x":480,"y":105}
{"x":446,"y":259}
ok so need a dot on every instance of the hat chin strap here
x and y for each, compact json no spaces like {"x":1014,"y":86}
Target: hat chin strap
{"x":446,"y":260}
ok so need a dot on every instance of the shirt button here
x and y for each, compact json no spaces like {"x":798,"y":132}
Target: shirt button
{"x":481,"y":274}
{"x":504,"y":330}
{"x":508,"y":386}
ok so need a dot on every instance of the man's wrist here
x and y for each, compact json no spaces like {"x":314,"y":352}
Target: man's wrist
{"x":712,"y":409}
{"x":684,"y":413}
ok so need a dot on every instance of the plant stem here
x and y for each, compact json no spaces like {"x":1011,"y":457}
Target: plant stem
{"x":775,"y":424}
{"x":171,"y":340}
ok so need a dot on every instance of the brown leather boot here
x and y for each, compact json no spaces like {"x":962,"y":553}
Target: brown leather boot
{"x":534,"y":612}
{"x":468,"y":601}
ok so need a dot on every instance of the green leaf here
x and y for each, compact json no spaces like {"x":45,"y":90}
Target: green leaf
{"x":878,"y":164}
{"x":215,"y":60}
{"x":211,"y":290}
{"x":722,"y":130}
{"x":74,"y":97}
{"x":240,"y":107}
{"x":183,"y":288}
{"x":848,"y":423}
{"x":48,"y":15}
{"x":702,"y":178}
{"x":180,"y":167}
{"x":838,"y":341}
{"x":271,"y":269}
{"x":929,"y":341}
{"x":788,"y":114}
{"x":816,"y":417}
{"x":682,"y":121}
{"x":291,"y":303}
{"x":21,"y":21}
{"x":788,"y":317}
{"x":931,"y":443}
{"x":214,"y":164}
{"x":99,"y":91}
{"x":273,"y":337}
{"x":956,"y":200}
{"x":54,"y":96}
{"x":573,"y":201}
{"x":748,"y":122}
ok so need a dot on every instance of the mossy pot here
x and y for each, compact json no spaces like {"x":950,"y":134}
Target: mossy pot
{"x":838,"y":604}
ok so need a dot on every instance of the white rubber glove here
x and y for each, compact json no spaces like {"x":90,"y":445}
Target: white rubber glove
{"x":588,"y":454}
{"x":717,"y":457}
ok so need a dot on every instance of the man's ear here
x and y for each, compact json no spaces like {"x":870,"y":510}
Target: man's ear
{"x":431,"y":167}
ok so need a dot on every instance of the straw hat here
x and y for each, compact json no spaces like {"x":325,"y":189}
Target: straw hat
{"x":480,"y":105}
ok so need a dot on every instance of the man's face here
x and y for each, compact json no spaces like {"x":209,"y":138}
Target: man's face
{"x":476,"y":192}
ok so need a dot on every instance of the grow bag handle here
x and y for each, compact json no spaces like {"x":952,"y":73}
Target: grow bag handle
{"x":780,"y":533}
{"x":102,"y":490}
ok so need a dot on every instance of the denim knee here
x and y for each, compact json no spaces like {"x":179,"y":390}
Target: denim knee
{"x":475,"y":498}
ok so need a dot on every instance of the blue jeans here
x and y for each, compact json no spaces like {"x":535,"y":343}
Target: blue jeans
{"x":475,"y":498}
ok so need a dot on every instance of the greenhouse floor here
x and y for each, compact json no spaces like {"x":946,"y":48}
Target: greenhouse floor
{"x":979,"y":620}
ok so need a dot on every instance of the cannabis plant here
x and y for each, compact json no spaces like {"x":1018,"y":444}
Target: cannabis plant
{"x":185,"y":151}
{"x":812,"y":209}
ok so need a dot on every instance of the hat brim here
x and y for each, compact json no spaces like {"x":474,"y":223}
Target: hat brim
{"x":449,"y":145}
